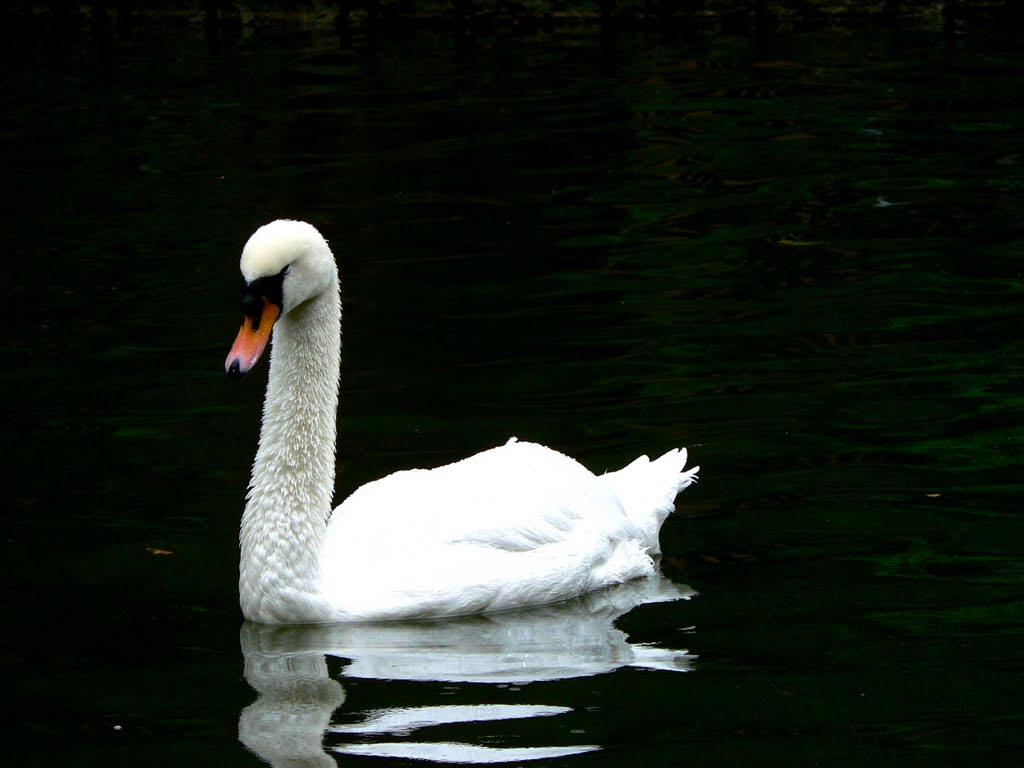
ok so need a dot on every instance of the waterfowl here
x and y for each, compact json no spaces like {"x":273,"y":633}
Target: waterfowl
{"x":519,"y":524}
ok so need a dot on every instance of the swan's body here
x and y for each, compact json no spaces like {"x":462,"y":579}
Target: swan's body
{"x":516,"y":525}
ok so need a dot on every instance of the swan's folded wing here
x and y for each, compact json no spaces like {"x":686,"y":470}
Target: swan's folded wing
{"x":516,"y":498}
{"x":512,"y":526}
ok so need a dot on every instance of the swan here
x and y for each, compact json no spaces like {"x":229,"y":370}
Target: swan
{"x":517,"y":525}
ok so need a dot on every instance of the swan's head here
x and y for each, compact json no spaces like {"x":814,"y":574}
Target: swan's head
{"x":284,"y":264}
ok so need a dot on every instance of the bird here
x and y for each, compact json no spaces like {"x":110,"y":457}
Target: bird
{"x":516,"y":525}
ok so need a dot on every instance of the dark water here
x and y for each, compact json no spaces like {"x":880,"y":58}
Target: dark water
{"x":799,"y":254}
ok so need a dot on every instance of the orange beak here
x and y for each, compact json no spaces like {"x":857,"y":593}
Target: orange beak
{"x":251,"y":340}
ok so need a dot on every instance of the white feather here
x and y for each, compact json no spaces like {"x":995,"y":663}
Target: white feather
{"x":516,"y":525}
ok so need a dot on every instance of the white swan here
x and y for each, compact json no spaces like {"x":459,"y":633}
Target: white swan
{"x":516,"y":525}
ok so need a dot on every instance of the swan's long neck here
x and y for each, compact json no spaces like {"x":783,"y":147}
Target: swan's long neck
{"x":284,"y":522}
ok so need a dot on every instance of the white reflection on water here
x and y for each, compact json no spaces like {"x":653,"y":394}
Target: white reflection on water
{"x":403,"y":721}
{"x":443,"y":752}
{"x":287,"y":667}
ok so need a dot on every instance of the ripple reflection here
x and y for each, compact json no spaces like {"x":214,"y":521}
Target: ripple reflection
{"x":287,"y":667}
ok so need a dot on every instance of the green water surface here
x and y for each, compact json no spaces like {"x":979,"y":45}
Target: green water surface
{"x":798,"y":253}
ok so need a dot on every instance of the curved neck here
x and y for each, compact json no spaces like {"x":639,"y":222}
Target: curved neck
{"x":292,"y":484}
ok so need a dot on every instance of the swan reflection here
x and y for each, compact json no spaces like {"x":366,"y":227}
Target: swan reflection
{"x":287,"y":667}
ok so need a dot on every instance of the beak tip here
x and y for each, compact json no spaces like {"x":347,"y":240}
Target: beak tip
{"x":233,"y":368}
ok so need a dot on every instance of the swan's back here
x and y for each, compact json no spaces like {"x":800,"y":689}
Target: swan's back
{"x":515,"y":497}
{"x":515,"y":525}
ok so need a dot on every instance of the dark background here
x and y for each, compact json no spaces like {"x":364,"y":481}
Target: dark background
{"x":794,"y":246}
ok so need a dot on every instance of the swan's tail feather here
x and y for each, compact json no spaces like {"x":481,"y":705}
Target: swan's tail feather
{"x":648,"y":489}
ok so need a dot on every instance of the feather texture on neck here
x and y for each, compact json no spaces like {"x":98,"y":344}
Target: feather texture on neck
{"x":292,"y":482}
